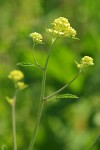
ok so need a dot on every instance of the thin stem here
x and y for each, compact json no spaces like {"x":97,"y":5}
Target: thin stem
{"x":41,"y":104}
{"x":46,"y":63}
{"x":61,"y":89}
{"x":14,"y":122}
{"x":31,"y":146}
{"x":34,"y":57}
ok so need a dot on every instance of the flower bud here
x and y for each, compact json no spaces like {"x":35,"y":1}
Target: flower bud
{"x":85,"y":62}
{"x":10,"y":100}
{"x":21,"y":85}
{"x":16,"y":75}
{"x":37,"y":38}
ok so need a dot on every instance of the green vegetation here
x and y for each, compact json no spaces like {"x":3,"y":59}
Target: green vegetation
{"x":69,"y":124}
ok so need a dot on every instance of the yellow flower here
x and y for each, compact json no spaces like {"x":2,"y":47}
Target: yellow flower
{"x":37,"y":38}
{"x":21,"y":85}
{"x":10,"y":100}
{"x":16,"y":75}
{"x":85,"y":62}
{"x":62,"y":28}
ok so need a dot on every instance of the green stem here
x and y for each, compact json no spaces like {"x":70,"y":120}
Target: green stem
{"x":14,"y":122}
{"x":41,"y":104}
{"x":61,"y":89}
{"x":46,"y":63}
{"x":34,"y":57}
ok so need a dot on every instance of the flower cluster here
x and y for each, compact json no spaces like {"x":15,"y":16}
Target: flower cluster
{"x":85,"y":62}
{"x":37,"y":38}
{"x":16,"y":76}
{"x":62,"y":28}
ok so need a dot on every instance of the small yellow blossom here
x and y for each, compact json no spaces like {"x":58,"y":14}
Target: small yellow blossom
{"x":37,"y":38}
{"x":21,"y":85}
{"x":10,"y":100}
{"x":85,"y":62}
{"x":16,"y":75}
{"x":62,"y":28}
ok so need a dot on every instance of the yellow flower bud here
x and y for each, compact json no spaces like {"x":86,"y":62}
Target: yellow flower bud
{"x":37,"y":38}
{"x":16,"y":75}
{"x":85,"y":62}
{"x":62,"y":28}
{"x":10,"y":100}
{"x":21,"y":85}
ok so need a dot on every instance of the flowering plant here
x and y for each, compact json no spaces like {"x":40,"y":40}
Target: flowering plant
{"x":60,"y":28}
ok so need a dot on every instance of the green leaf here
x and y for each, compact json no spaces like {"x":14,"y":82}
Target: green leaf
{"x":26,"y":64}
{"x":67,"y":96}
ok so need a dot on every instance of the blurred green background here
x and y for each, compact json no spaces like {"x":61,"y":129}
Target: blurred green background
{"x":66,"y":124}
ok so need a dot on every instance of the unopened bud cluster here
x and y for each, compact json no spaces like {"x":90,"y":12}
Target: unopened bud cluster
{"x":61,"y":28}
{"x":21,"y":85}
{"x":37,"y":38}
{"x":16,"y":76}
{"x":85,"y":62}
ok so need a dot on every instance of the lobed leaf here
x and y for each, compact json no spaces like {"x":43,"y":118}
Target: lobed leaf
{"x":26,"y":64}
{"x":67,"y":96}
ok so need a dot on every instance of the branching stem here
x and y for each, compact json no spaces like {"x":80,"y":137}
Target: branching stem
{"x":61,"y":89}
{"x":42,"y":98}
{"x":41,"y":104}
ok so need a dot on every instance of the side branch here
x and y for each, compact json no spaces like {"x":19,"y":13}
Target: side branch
{"x":61,"y":89}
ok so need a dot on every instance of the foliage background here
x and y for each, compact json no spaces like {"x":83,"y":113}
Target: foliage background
{"x":68,"y":124}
